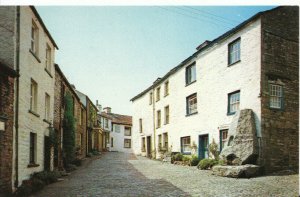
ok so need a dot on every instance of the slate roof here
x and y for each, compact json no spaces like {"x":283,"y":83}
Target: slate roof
{"x":118,"y":118}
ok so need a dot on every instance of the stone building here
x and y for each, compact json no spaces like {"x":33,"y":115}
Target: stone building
{"x":7,"y":81}
{"x":28,"y":47}
{"x":93,"y":130}
{"x":253,"y":66}
{"x":106,"y":126}
{"x":118,"y":129}
{"x":62,"y":87}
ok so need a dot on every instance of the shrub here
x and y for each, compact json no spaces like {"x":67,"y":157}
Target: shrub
{"x":176,"y":157}
{"x":221,"y":162}
{"x":186,"y":160}
{"x":205,"y":164}
{"x":194,"y":160}
{"x":213,"y":149}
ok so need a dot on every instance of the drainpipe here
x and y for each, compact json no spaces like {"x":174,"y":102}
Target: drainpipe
{"x":17,"y":99}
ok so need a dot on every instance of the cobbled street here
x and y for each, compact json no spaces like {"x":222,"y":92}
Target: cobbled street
{"x":120,"y":174}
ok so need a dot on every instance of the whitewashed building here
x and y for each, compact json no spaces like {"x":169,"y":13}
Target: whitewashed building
{"x":32,"y":51}
{"x":194,"y":103}
{"x":119,"y":129}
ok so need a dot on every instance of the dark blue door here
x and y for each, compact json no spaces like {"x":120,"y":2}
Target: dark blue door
{"x":203,"y":146}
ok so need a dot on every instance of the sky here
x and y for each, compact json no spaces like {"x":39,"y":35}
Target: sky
{"x":112,"y":53}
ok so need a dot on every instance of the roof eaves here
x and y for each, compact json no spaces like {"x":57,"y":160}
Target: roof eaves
{"x":43,"y":25}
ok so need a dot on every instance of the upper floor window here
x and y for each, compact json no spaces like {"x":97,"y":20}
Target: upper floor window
{"x":234,"y":51}
{"x":150,"y":98}
{"x":47,"y":107}
{"x":158,"y":94}
{"x":166,"y":88}
{"x":276,"y":98}
{"x":127,"y":143}
{"x":141,"y":125}
{"x":190,"y":74}
{"x":48,"y":58}
{"x":105,"y":122}
{"x":34,"y":38}
{"x":117,"y":128}
{"x":233,"y":102}
{"x":33,"y":96}
{"x":191,"y":104}
{"x":158,"y":119}
{"x":127,"y":131}
{"x":167,"y":116}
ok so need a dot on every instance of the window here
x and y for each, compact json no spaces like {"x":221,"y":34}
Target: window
{"x":276,"y":99}
{"x":48,"y":58}
{"x":80,"y":116}
{"x":157,"y":94}
{"x":159,"y":142}
{"x":32,"y":151}
{"x":34,"y":38}
{"x":117,"y":128}
{"x":233,"y":102}
{"x":150,"y":98}
{"x":111,"y":142}
{"x":190,"y":74}
{"x":143,"y":144}
{"x":105,"y":123}
{"x":234,"y":51}
{"x":223,"y":137}
{"x":127,"y":131}
{"x":191,"y":104}
{"x":167,"y":116}
{"x":158,"y":119}
{"x":47,"y":107}
{"x":141,"y":125}
{"x":33,"y":96}
{"x":165,"y":138}
{"x":166,"y":88}
{"x":127,"y":143}
{"x":186,"y":144}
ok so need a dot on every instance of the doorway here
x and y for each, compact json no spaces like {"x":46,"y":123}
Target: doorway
{"x":149,"y":146}
{"x":203,"y":146}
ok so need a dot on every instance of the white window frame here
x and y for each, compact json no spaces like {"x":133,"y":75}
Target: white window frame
{"x":276,"y":96}
{"x":48,"y":58}
{"x":191,"y":104}
{"x":234,"y":102}
{"x":234,"y":51}
{"x":47,"y":106}
{"x":186,"y":144}
{"x":33,"y":96}
{"x":34,"y":38}
{"x":190,"y":74}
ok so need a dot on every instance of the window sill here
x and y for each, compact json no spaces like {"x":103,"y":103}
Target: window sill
{"x":234,"y":63}
{"x":47,"y":121}
{"x":186,"y":153}
{"x":166,"y":95}
{"x":3,"y":117}
{"x":47,"y":71}
{"x":191,"y":114}
{"x":276,"y":109}
{"x":187,"y":84}
{"x":32,"y":112}
{"x":157,"y":127}
{"x":33,"y":165}
{"x":127,"y":147}
{"x":34,"y":55}
{"x":166,"y":123}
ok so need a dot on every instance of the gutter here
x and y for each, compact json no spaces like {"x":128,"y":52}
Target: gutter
{"x":16,"y":183}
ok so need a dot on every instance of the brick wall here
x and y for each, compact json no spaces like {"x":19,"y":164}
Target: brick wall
{"x":6,"y":136}
{"x":280,"y":63}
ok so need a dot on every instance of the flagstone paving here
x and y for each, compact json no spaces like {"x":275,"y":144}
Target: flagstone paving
{"x":120,"y":174}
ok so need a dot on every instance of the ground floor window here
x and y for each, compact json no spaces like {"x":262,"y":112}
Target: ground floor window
{"x":165,"y":138}
{"x":186,"y":145}
{"x":112,"y":142}
{"x":32,"y":151}
{"x":223,"y":137}
{"x":143,"y":144}
{"x":127,"y":143}
{"x":159,"y":142}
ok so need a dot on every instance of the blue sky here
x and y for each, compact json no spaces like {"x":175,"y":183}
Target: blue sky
{"x":113,"y":53}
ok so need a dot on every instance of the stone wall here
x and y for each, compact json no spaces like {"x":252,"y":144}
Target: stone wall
{"x":280,"y":64}
{"x":6,"y":135}
{"x":81,"y":129}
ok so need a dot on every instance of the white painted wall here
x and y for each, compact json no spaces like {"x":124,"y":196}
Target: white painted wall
{"x":214,"y":81}
{"x":118,"y":138}
{"x":31,"y":68}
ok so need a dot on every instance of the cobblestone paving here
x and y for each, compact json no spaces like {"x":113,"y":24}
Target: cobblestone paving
{"x":119,"y":174}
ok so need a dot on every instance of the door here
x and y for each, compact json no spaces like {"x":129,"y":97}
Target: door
{"x":47,"y":154}
{"x":149,"y":146}
{"x":203,"y":146}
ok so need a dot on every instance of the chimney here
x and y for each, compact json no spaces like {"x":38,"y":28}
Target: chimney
{"x":99,"y":107}
{"x":73,"y":86}
{"x":107,"y":110}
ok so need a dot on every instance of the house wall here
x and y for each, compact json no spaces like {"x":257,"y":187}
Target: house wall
{"x":214,"y":80}
{"x":118,"y":138}
{"x":81,"y":129}
{"x":280,"y":63}
{"x":31,"y":68}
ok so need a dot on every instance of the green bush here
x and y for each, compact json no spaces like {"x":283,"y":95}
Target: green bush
{"x":205,"y":164}
{"x":194,"y":160}
{"x":176,"y":157}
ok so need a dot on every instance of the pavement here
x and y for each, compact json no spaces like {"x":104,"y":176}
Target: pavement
{"x":125,"y":175}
